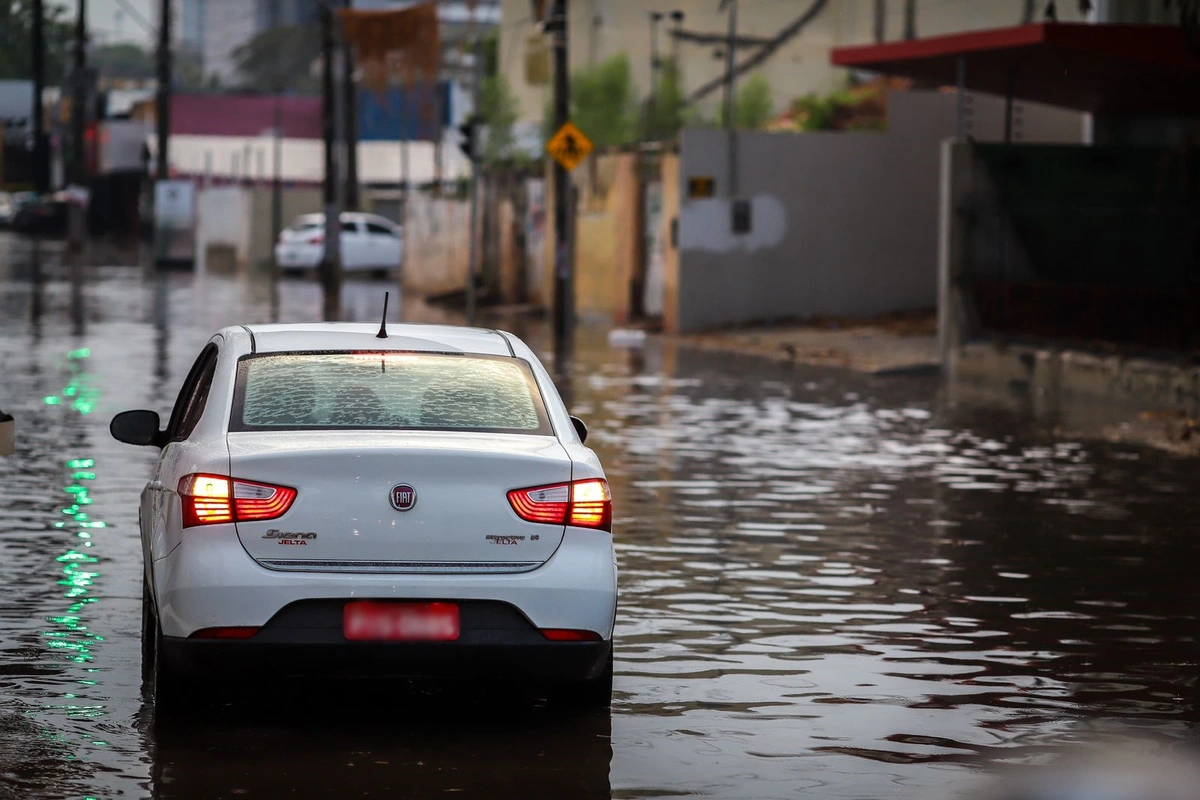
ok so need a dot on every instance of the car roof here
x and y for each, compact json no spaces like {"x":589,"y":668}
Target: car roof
{"x":308,"y":336}
{"x":358,"y":216}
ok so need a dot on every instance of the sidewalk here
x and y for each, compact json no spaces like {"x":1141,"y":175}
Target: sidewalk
{"x":885,"y":345}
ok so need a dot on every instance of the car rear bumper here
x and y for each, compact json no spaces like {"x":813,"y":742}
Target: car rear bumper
{"x":267,"y":658}
{"x":210,"y":580}
{"x":297,"y":256}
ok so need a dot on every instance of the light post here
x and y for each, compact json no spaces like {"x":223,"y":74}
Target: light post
{"x":655,"y":64}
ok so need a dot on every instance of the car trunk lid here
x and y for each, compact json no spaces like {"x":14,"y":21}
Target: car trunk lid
{"x":345,"y":517}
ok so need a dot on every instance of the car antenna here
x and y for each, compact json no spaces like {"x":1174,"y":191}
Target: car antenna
{"x":383,"y":323}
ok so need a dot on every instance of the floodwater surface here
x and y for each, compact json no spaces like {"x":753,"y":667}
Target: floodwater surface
{"x":831,"y":585}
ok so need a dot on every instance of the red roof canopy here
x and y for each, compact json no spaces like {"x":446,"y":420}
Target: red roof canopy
{"x":245,"y":115}
{"x":1112,"y":69}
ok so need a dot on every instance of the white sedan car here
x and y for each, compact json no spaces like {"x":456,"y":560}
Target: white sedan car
{"x":367,"y":242}
{"x":329,"y":502}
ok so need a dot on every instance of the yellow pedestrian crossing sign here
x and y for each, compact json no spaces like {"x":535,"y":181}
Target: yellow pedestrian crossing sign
{"x":569,"y":146}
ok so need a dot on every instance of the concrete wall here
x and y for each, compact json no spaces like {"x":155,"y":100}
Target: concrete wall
{"x":436,"y":244}
{"x":297,"y":200}
{"x":233,"y":223}
{"x":671,"y":200}
{"x":608,"y":238}
{"x":599,"y":29}
{"x":223,"y":228}
{"x":843,"y":223}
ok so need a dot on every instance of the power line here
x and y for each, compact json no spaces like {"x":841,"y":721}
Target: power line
{"x":137,"y":17}
{"x":720,"y":38}
{"x":766,"y":52}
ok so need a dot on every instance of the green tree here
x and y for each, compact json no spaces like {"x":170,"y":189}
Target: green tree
{"x":188,"y":71}
{"x":602,"y":104}
{"x":666,"y":112}
{"x":16,"y":41}
{"x":752,"y":106}
{"x":280,"y":59}
{"x":122,"y":61}
{"x":498,"y":109}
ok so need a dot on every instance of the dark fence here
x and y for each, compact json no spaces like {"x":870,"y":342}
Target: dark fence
{"x":1088,"y":243}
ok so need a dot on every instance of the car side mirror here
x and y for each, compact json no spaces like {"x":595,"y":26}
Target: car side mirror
{"x":136,"y":427}
{"x":580,"y":428}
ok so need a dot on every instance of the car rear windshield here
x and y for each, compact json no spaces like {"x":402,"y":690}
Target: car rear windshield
{"x":421,"y":391}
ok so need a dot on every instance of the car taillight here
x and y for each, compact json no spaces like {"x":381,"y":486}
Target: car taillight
{"x":236,"y":632}
{"x":570,"y":635}
{"x":316,"y":239}
{"x":210,"y":499}
{"x":582,"y":504}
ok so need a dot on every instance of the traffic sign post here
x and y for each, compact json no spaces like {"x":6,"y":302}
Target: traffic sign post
{"x":564,"y":300}
{"x":570,"y":146}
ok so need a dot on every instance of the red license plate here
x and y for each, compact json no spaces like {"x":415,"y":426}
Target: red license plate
{"x":400,"y":622}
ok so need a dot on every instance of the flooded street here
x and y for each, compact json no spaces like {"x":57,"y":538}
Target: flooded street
{"x":831,"y":585}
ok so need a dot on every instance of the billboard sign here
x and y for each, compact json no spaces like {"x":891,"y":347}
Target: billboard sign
{"x":409,"y":113}
{"x":16,"y":110}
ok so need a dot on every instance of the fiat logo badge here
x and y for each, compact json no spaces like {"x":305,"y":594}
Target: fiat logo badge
{"x":403,"y":497}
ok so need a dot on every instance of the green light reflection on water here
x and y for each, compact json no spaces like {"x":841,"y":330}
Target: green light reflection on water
{"x":68,"y":632}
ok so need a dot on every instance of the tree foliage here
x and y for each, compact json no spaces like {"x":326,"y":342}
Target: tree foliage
{"x":280,"y":59}
{"x":123,"y":60}
{"x":752,"y":108}
{"x":602,"y":104}
{"x":498,"y":110}
{"x":666,"y":112}
{"x":16,"y":41}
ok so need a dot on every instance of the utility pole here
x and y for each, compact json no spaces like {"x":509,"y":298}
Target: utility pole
{"x":331,"y":261}
{"x":79,"y":97}
{"x":350,"y":117}
{"x":41,"y":150}
{"x":163,"y":104}
{"x":677,"y":18}
{"x":564,"y":301}
{"x":277,"y":182}
{"x":476,"y":163}
{"x":655,"y":64}
{"x":730,"y":111}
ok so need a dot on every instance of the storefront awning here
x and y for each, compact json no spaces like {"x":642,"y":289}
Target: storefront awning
{"x":1120,"y":70}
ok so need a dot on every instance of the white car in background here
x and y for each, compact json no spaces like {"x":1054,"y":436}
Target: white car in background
{"x":328,"y":502}
{"x":368,"y":243}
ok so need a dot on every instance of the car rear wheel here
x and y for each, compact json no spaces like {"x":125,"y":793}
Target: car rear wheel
{"x":164,"y":684}
{"x":594,"y":693}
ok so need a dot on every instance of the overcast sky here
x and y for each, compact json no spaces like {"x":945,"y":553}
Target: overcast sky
{"x":109,"y":21}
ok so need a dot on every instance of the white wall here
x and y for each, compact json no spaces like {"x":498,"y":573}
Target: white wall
{"x":223,"y":217}
{"x":844,"y":224}
{"x":252,"y":158}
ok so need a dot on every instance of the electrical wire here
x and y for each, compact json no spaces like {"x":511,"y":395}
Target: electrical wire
{"x":768,"y":50}
{"x":137,"y":17}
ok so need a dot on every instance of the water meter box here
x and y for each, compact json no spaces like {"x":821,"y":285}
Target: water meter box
{"x":7,"y":434}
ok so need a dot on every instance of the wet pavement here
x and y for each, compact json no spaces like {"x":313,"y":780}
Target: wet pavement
{"x":832,"y":585}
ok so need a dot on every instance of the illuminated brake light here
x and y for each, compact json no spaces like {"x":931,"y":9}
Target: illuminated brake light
{"x":207,"y":500}
{"x":234,"y":632}
{"x":591,"y":505}
{"x":583,"y":504}
{"x":258,"y":501}
{"x":569,"y":635}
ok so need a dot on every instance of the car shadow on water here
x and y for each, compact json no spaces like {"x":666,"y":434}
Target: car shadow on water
{"x":377,"y":740}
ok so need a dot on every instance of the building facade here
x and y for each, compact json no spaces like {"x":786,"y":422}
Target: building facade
{"x":216,"y":28}
{"x":798,"y":33}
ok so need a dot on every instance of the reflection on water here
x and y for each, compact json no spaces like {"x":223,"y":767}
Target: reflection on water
{"x":831,"y":584}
